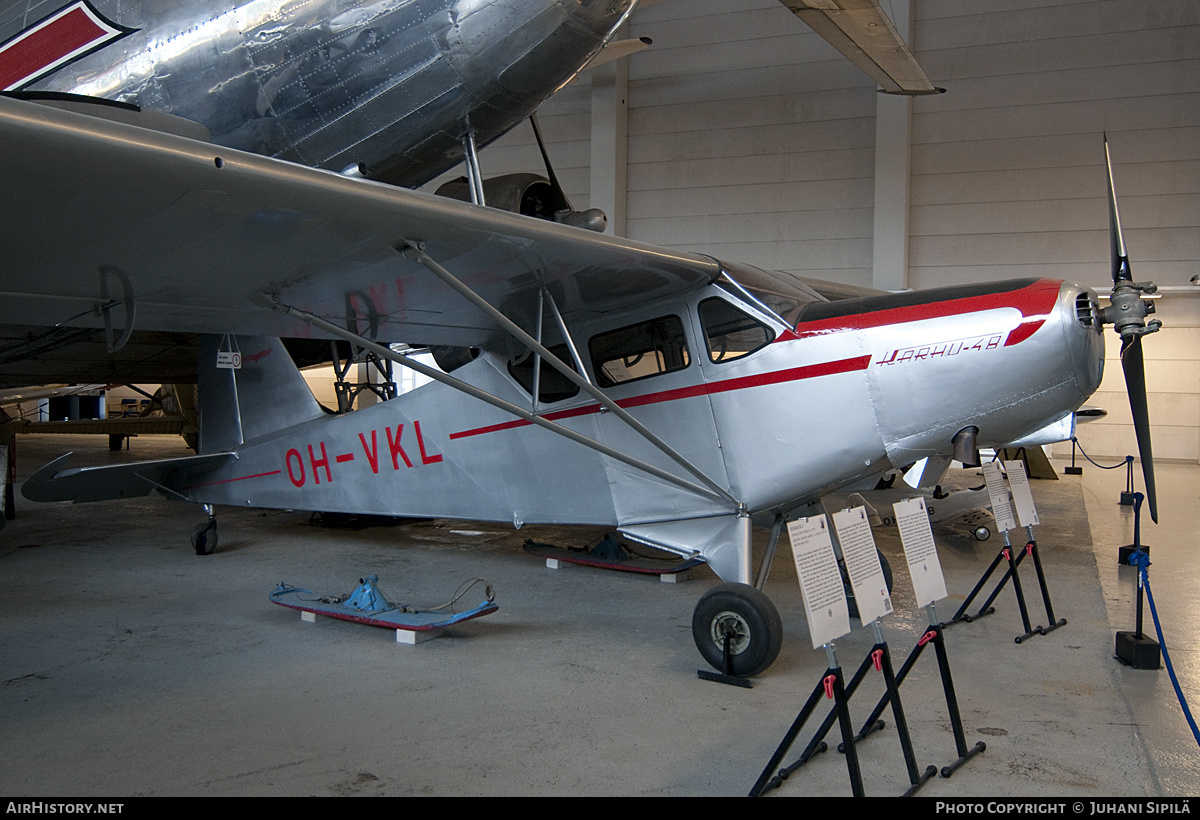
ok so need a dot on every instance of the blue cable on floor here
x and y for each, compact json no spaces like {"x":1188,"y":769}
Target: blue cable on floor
{"x":1141,"y":560}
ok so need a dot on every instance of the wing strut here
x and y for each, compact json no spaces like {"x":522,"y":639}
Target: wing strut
{"x":474,"y":175}
{"x":417,"y":254}
{"x":106,"y":309}
{"x":483,"y":395}
{"x":562,"y":327}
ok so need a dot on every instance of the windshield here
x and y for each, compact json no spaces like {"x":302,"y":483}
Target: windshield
{"x":774,"y":291}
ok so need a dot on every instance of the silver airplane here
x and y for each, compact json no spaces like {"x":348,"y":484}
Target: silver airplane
{"x":585,"y":379}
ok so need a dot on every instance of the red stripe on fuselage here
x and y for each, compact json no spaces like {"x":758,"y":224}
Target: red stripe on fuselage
{"x":811,"y":371}
{"x":1036,"y":301}
{"x":230,"y":480}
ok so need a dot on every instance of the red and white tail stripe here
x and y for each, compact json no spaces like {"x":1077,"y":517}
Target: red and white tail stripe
{"x":67,"y":34}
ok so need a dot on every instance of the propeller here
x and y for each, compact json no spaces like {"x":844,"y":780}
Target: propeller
{"x":1127,"y":312}
{"x":592,"y":219}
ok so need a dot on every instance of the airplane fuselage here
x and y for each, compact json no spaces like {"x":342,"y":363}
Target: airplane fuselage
{"x":854,"y":389}
{"x":392,"y":85}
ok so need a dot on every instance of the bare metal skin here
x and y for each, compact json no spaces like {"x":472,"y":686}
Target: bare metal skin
{"x":390,"y":84}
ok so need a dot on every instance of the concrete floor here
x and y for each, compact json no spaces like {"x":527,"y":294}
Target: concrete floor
{"x":130,"y":666}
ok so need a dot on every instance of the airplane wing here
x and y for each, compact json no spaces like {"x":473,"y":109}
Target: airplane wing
{"x":106,"y":222}
{"x":864,"y":34}
{"x":150,"y":425}
{"x":46,"y":391}
{"x":835,"y":291}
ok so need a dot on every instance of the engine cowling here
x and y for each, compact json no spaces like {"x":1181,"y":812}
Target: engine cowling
{"x":528,"y":195}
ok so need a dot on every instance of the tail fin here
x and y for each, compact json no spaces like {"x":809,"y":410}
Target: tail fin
{"x":262,"y":396}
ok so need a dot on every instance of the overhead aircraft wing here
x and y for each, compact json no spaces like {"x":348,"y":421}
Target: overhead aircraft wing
{"x":861,"y":31}
{"x":105,"y":222}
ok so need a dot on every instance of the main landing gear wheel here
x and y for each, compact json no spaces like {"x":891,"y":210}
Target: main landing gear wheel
{"x":748,"y":617}
{"x":204,"y":538}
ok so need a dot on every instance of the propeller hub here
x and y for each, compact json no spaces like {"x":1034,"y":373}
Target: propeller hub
{"x":1127,"y":310}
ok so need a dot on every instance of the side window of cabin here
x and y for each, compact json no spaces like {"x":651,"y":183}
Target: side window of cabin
{"x":639,"y":351}
{"x":729,"y":333}
{"x":552,"y":385}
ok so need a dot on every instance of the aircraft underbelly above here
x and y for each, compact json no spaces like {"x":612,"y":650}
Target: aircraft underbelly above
{"x":390,"y":84}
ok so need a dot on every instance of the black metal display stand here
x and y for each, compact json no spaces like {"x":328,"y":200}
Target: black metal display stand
{"x":1127,"y":495}
{"x":830,"y":686}
{"x":934,"y":635}
{"x":726,"y":675}
{"x":880,"y":658}
{"x":1125,"y":555}
{"x":1134,"y":648}
{"x":1073,"y":470}
{"x":1006,"y":554}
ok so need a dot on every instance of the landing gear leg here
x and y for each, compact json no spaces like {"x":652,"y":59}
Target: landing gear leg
{"x":204,"y":537}
{"x":742,"y":617}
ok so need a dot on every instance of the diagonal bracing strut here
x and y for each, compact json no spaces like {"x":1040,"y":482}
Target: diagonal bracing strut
{"x":416,"y":253}
{"x":495,"y":401}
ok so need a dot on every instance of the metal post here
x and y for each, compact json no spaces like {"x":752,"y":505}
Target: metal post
{"x":474,"y":176}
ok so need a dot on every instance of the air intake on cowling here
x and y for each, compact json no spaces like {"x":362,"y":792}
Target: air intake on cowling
{"x":1085,"y":310}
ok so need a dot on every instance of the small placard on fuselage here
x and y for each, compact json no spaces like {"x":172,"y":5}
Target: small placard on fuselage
{"x":919,"y":549}
{"x":820,"y":580}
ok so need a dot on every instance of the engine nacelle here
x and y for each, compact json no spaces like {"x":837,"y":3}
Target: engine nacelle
{"x":528,"y":195}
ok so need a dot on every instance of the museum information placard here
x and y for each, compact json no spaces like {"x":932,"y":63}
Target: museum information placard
{"x":820,"y":580}
{"x":862,"y":564}
{"x":917,"y":536}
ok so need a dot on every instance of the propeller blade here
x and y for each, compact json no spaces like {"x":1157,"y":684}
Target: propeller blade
{"x":558,"y":189}
{"x":1121,"y":271}
{"x":593,"y":219}
{"x":1135,"y":384}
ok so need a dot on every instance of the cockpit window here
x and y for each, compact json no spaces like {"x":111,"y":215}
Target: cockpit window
{"x":775,"y":291}
{"x":730,"y":333}
{"x":552,"y":385}
{"x":639,"y":351}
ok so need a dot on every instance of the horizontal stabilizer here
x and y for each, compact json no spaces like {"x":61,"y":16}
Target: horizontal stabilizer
{"x":54,"y":483}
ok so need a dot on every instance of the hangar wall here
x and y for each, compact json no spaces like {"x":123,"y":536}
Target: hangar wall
{"x":749,"y":138}
{"x":1007,"y":180}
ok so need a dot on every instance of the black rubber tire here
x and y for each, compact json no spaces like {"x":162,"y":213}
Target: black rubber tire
{"x":204,"y":538}
{"x":751,"y":614}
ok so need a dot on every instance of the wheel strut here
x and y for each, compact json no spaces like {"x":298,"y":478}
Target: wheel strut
{"x":204,"y":536}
